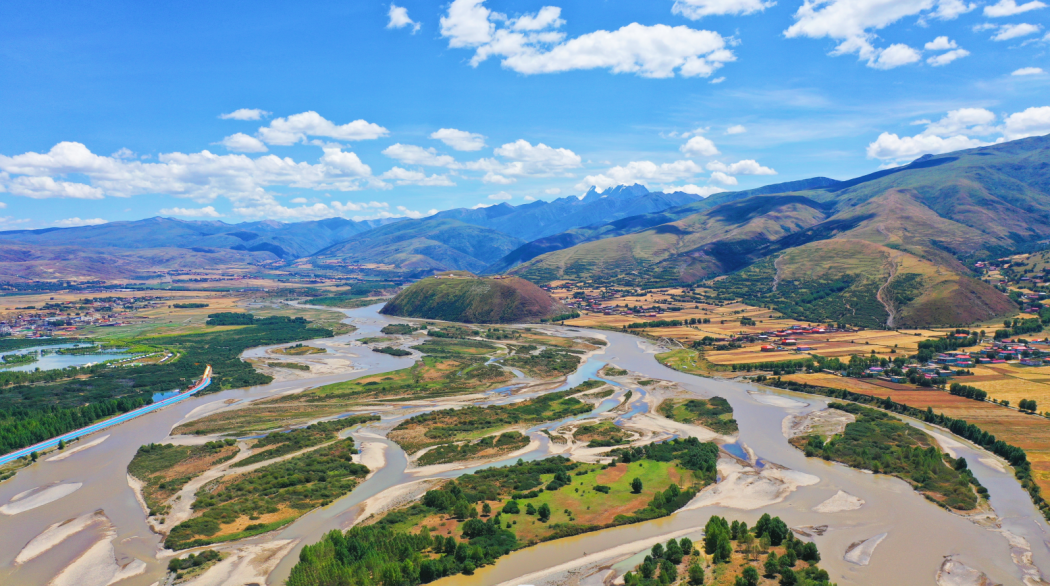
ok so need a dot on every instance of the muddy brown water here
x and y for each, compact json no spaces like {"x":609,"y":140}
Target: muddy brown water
{"x":919,"y":533}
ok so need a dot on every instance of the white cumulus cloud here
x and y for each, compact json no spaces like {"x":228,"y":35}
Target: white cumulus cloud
{"x":532,"y":44}
{"x":894,"y":56}
{"x":295,"y":128}
{"x":552,"y":191}
{"x":699,"y":146}
{"x":948,"y":57}
{"x":461,"y":140}
{"x":201,"y":176}
{"x":744,"y":167}
{"x":697,"y":9}
{"x":406,"y":177}
{"x":399,"y":18}
{"x":416,"y":155}
{"x":205,"y":212}
{"x":502,"y":196}
{"x":1028,"y":71}
{"x":853,"y":23}
{"x":736,"y":129}
{"x":955,"y":131}
{"x":701,"y":190}
{"x":644,"y":172}
{"x":1010,"y":8}
{"x":245,"y":114}
{"x":722,"y":178}
{"x":1031,"y":122}
{"x":940,"y":44}
{"x":242,"y":143}
{"x":1013,"y":31}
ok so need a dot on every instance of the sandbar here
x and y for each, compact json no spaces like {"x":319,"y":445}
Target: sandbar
{"x":63,"y":454}
{"x":32,"y":499}
{"x":842,"y":501}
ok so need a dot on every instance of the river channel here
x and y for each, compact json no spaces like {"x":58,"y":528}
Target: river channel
{"x":918,"y":533}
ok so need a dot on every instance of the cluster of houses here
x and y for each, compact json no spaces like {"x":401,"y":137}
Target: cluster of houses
{"x":788,"y":339}
{"x":948,"y":364}
{"x":54,"y":318}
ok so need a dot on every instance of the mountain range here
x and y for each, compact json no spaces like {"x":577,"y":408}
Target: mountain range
{"x":892,"y":247}
{"x":458,"y":239}
{"x":888,"y":248}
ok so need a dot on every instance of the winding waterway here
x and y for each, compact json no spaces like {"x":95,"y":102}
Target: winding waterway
{"x":919,"y":533}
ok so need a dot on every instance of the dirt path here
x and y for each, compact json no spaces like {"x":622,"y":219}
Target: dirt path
{"x":776,"y":278}
{"x":881,"y":295}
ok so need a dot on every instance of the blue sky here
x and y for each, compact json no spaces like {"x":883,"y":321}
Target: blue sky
{"x":263,"y":110}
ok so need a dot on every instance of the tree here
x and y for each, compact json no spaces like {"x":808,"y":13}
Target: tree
{"x":696,"y":574}
{"x":750,"y":576}
{"x":486,"y":509}
{"x":529,"y":509}
{"x":636,"y":486}
{"x":61,"y":444}
{"x":511,"y":508}
{"x":686,"y":544}
{"x":674,"y":552}
{"x":788,"y":578}
{"x":772,"y":566}
{"x":545,"y":512}
{"x":33,"y":456}
{"x":658,"y":551}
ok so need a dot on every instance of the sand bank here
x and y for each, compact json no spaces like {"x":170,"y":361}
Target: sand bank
{"x":59,"y":532}
{"x":860,"y":552}
{"x":842,"y":501}
{"x":955,"y":573}
{"x":38,"y":497}
{"x":250,"y":564}
{"x":63,"y":454}
{"x":745,"y":488}
{"x":98,"y":566}
{"x":622,"y":552}
{"x":825,"y":422}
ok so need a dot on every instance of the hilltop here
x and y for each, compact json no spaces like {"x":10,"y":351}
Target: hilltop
{"x":468,"y":299}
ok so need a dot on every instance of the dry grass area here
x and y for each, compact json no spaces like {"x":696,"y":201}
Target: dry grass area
{"x":1013,"y":382}
{"x":725,"y":323}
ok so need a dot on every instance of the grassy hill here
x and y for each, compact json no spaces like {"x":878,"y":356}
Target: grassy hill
{"x":469,"y":299}
{"x":886,"y":249}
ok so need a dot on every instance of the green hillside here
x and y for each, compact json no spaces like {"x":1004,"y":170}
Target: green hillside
{"x":468,"y":299}
{"x":886,"y":249}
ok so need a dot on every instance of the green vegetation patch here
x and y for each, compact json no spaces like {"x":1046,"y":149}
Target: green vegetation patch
{"x":488,"y":446}
{"x":40,"y":405}
{"x":400,"y":329}
{"x":732,"y":554}
{"x":520,"y":505}
{"x":291,"y":365}
{"x":267,"y":498}
{"x":166,"y":468}
{"x":548,"y":363}
{"x":285,"y":443}
{"x":468,"y":423}
{"x":715,"y":413}
{"x":600,"y":435}
{"x":881,"y":443}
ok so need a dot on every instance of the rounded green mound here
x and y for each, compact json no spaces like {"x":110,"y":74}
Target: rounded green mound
{"x":469,"y":299}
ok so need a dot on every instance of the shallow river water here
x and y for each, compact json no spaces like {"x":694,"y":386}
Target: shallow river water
{"x":919,"y":534}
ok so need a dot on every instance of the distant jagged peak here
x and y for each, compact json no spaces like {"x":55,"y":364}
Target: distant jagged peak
{"x":623,"y":190}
